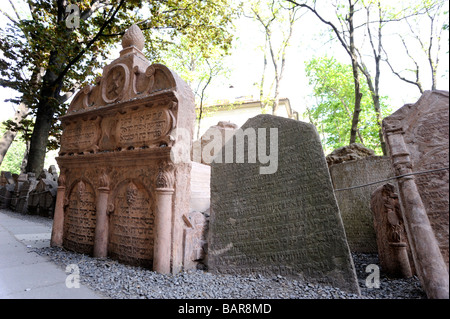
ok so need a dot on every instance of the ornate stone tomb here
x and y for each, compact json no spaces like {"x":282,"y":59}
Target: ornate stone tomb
{"x":418,"y":139}
{"x":287,"y":222}
{"x":120,"y":194}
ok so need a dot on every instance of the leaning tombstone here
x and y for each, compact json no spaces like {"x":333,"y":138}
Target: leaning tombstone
{"x":394,"y":252}
{"x":125,"y":169}
{"x":24,"y":192}
{"x":41,"y":200}
{"x":278,"y":214}
{"x":7,"y":186}
{"x":16,"y":194}
{"x":418,"y":139}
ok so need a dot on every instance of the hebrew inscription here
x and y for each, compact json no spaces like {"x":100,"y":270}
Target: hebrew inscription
{"x":79,"y":221}
{"x":80,"y":136}
{"x":131,"y":230}
{"x":142,"y":128}
{"x":284,"y":223}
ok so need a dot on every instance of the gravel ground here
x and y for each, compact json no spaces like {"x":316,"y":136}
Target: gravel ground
{"x":119,"y":281}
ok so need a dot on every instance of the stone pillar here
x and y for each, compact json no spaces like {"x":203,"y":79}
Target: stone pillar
{"x":430,"y":265}
{"x":400,"y":255}
{"x":58,"y":217}
{"x":162,"y":233}
{"x":102,"y":224}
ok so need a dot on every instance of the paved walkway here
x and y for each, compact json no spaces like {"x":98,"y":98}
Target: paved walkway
{"x":23,"y":273}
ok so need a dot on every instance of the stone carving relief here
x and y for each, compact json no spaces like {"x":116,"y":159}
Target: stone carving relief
{"x":79,"y":220}
{"x":131,"y":225}
{"x":115,"y":82}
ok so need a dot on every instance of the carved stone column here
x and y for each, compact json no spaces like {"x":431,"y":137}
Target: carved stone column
{"x":58,"y":217}
{"x":102,"y":223}
{"x":430,"y":265}
{"x":400,"y":255}
{"x":163,"y":221}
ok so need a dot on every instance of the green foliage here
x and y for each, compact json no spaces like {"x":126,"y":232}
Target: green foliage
{"x":333,"y":88}
{"x":37,"y":46}
{"x":13,"y":159}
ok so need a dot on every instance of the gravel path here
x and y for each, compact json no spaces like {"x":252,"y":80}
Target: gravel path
{"x":119,"y":281}
{"x":116,"y":280}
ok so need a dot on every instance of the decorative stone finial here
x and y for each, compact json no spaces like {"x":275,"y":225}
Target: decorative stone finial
{"x":133,"y":37}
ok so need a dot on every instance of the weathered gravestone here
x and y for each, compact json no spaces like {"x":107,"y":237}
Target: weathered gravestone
{"x":418,"y":139}
{"x":394,"y":252}
{"x":347,"y":153}
{"x":212,"y":141}
{"x":120,"y":194}
{"x":7,"y":185}
{"x":16,"y":194}
{"x":27,"y":186}
{"x":196,"y":241}
{"x":354,"y":203}
{"x":41,"y":199}
{"x":284,"y":221}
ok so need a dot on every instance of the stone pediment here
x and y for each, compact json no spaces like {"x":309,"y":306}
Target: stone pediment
{"x":125,"y":79}
{"x":129,"y":77}
{"x":134,"y":105}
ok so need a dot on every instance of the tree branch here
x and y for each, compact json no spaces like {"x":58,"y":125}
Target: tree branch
{"x":90,"y":43}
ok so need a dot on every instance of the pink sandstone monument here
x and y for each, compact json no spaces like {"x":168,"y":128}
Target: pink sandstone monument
{"x":418,"y":139}
{"x":120,"y":194}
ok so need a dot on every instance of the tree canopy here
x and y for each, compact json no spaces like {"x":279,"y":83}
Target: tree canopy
{"x":333,"y":90}
{"x":46,"y":61}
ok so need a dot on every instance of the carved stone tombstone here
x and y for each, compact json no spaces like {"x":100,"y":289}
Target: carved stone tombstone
{"x":393,"y":248}
{"x":284,"y":221}
{"x":16,"y":194}
{"x":354,"y":203}
{"x":41,"y":200}
{"x":418,"y":139}
{"x":213,"y":140}
{"x":7,"y":186}
{"x":27,"y":186}
{"x":121,"y":192}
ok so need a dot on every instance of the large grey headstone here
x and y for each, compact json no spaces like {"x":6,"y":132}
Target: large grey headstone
{"x":287,"y":222}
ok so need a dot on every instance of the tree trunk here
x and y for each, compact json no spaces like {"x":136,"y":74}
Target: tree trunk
{"x":48,"y":100}
{"x":39,"y":138}
{"x":358,"y":94}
